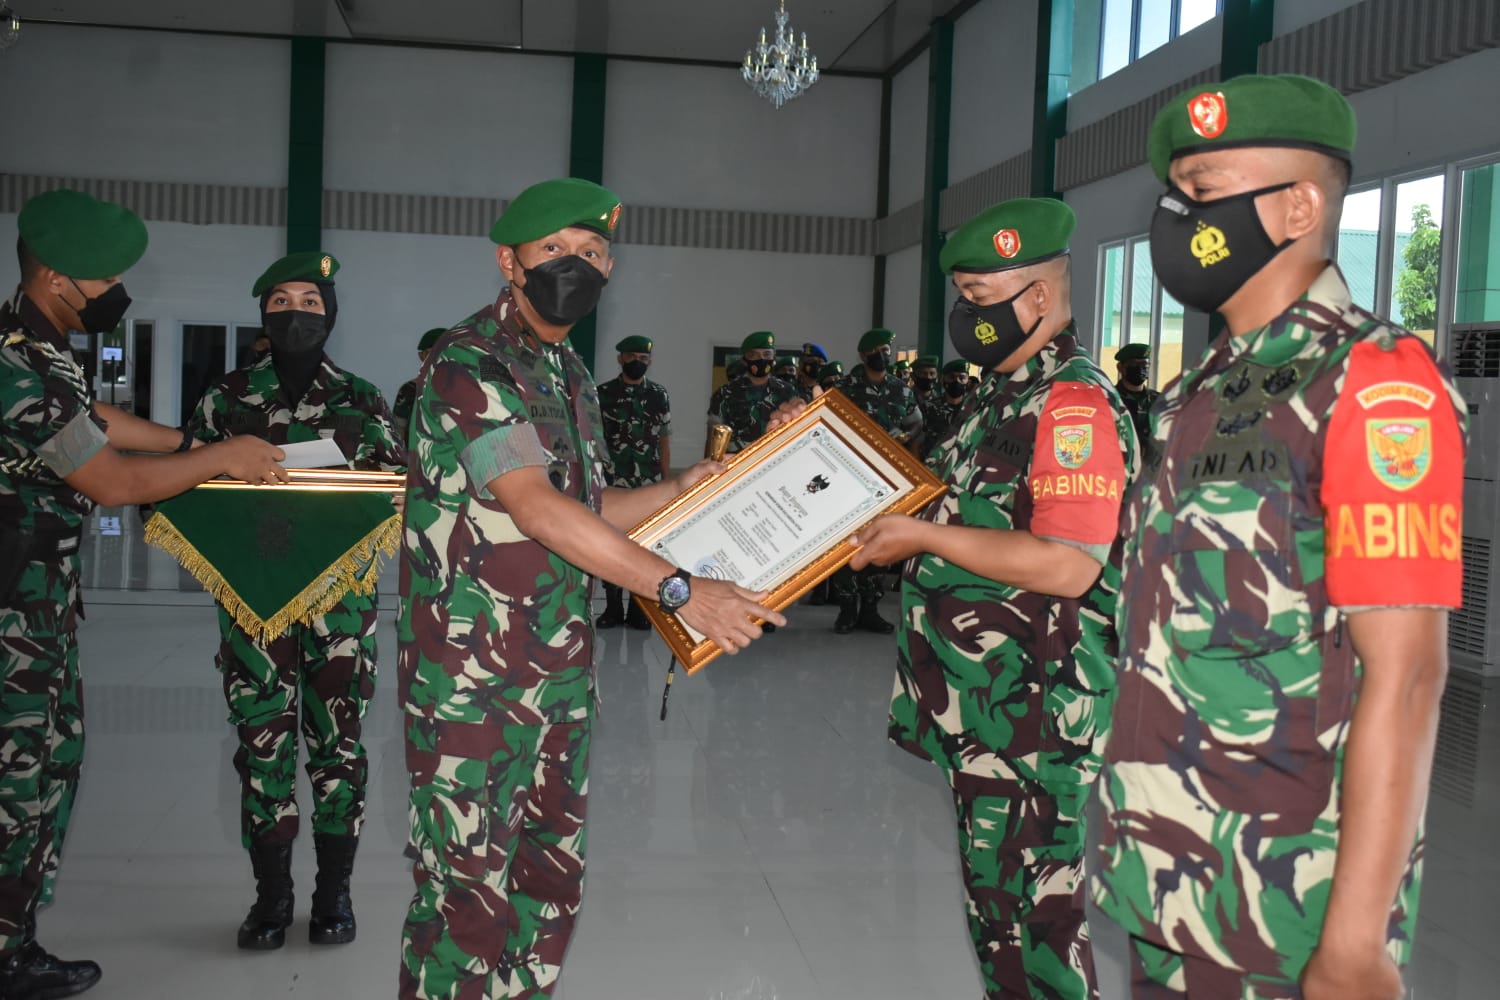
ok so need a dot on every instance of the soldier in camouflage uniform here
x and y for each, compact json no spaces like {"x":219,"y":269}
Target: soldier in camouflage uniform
{"x":890,"y":403}
{"x":786,"y":367}
{"x":942,"y":417}
{"x":830,"y":375}
{"x":746,"y":402}
{"x":1291,"y":553}
{"x":1005,"y":663}
{"x":924,"y":381}
{"x":638,"y":432}
{"x":295,"y":394}
{"x":407,"y":394}
{"x":57,"y":459}
{"x":812,"y":362}
{"x":1133,"y":364}
{"x":507,"y":519}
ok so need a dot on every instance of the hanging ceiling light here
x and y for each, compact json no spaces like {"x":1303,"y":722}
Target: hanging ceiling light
{"x":781,"y":70}
{"x":10,"y":26}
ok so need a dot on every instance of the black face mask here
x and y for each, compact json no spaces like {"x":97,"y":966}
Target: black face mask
{"x":955,"y":389}
{"x":924,"y":384}
{"x":1205,"y":251}
{"x":878,"y":362}
{"x":758,"y":369}
{"x":563,"y":290}
{"x":987,"y":335}
{"x":811,"y":373}
{"x":1135,"y":374}
{"x":293,"y":332}
{"x":635,"y":370}
{"x":103,"y":313}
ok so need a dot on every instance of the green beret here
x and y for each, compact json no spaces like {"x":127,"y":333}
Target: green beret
{"x":958,"y":366}
{"x":877,"y":337}
{"x":1295,"y":111}
{"x":1014,"y":233}
{"x":634,"y":345}
{"x":759,"y":340}
{"x":831,"y":369}
{"x":552,"y":206}
{"x":928,"y":361}
{"x":430,"y":337}
{"x":900,"y":365}
{"x":310,"y":265}
{"x":1133,"y":352}
{"x":80,"y":236}
{"x":784,"y":358}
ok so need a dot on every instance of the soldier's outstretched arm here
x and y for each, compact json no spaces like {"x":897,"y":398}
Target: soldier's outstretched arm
{"x":112,"y":479}
{"x":721,"y":611}
{"x":129,"y":432}
{"x":1387,"y":769}
{"x":625,"y":508}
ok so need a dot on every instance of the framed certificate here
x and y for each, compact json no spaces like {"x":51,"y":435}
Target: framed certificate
{"x":780,"y":519}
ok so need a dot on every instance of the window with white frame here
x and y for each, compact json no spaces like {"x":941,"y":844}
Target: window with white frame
{"x":1133,"y":308}
{"x":1129,"y":29}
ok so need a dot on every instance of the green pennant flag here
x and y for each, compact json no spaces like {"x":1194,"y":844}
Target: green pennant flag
{"x":281,"y":555}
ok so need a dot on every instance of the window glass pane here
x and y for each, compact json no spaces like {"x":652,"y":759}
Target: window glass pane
{"x":1418,"y":247}
{"x":244,"y":344}
{"x":1112,"y":297}
{"x":1142,"y":279}
{"x":143,"y":331}
{"x":1114,"y":39}
{"x":1196,"y":12}
{"x":202,"y":362}
{"x":1359,"y":244}
{"x":1479,"y":247}
{"x":1155,"y":27}
{"x":1168,"y":362}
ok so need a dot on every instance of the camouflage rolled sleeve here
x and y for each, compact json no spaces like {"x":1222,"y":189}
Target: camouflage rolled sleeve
{"x":483,"y":420}
{"x":50,"y":419}
{"x":379,"y":447}
{"x":205,"y":423}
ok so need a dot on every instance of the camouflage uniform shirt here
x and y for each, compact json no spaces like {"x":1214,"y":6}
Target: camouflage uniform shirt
{"x":889,"y":402}
{"x":494,"y":627}
{"x":406,"y":396}
{"x":48,"y":429}
{"x":1139,"y":402}
{"x":636,"y":419}
{"x":939,"y":420}
{"x":1311,"y":467}
{"x":337,"y":404}
{"x":747,"y":407}
{"x":996,"y":681}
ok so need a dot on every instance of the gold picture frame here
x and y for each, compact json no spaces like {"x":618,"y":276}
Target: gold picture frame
{"x":323,"y":481}
{"x":756,"y":511}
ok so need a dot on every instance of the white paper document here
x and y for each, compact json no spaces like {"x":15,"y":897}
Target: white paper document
{"x":319,"y":454}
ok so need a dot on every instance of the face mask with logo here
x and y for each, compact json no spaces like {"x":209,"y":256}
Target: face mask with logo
{"x":635,"y":369}
{"x":759,"y":368}
{"x":987,"y":335}
{"x":1205,"y":251}
{"x":104,"y":312}
{"x":878,"y":362}
{"x":563,"y":290}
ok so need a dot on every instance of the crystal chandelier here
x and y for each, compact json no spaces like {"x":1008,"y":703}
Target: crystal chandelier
{"x":782,"y":70}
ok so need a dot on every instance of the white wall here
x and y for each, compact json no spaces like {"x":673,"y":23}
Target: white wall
{"x":689,"y":301}
{"x":908,"y":178}
{"x":442,"y":121}
{"x":697,"y":137}
{"x":903,"y":296}
{"x":143,"y":105}
{"x":994,"y":55}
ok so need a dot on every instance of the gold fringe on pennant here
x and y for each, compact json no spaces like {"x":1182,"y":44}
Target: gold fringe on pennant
{"x":318,"y":597}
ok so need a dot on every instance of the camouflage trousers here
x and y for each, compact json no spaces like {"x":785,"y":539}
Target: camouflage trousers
{"x":498,"y":843}
{"x":1022,"y":857}
{"x":327,"y":665}
{"x":1158,"y":973}
{"x":867,"y":584}
{"x":41,"y":752}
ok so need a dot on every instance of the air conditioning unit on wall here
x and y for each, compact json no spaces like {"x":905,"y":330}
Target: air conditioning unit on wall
{"x":1474,"y":630}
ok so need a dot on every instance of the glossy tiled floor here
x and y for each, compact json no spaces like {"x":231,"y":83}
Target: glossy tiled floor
{"x":763,"y":842}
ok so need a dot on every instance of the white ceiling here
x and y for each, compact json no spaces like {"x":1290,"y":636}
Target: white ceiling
{"x":849,"y":35}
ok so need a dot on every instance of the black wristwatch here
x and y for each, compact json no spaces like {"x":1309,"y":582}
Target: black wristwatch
{"x":187,"y":439}
{"x":675,"y":591}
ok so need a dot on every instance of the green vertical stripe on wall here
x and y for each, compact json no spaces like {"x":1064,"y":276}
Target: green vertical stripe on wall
{"x":939,"y":109}
{"x":304,"y":171}
{"x":882,"y":200}
{"x":1054,"y":73}
{"x":1248,"y":24}
{"x":586,"y":160}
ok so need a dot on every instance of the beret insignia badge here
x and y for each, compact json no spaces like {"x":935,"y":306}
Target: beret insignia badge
{"x":325,"y":266}
{"x":1209,"y":114}
{"x":1007,"y":243}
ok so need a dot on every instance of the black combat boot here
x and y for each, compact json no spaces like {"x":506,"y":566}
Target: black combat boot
{"x":636,"y":618}
{"x":332,"y":911}
{"x":265,"y":926}
{"x":31,"y":972}
{"x":869,"y":617}
{"x":848,"y":615}
{"x":614,"y":611}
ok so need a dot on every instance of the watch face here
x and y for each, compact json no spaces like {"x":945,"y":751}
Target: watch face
{"x":675,"y":592}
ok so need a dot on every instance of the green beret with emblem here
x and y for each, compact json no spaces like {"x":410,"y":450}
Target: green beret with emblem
{"x":759,"y":340}
{"x":876,"y":338}
{"x":831,"y":370}
{"x":958,"y":366}
{"x":310,"y":265}
{"x":1133,"y":352}
{"x":1015,"y":233}
{"x":928,"y":361}
{"x":555,"y":205}
{"x":80,"y":236}
{"x":900,"y":365}
{"x":634,"y":345}
{"x":431,"y":337}
{"x":1288,"y":110}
